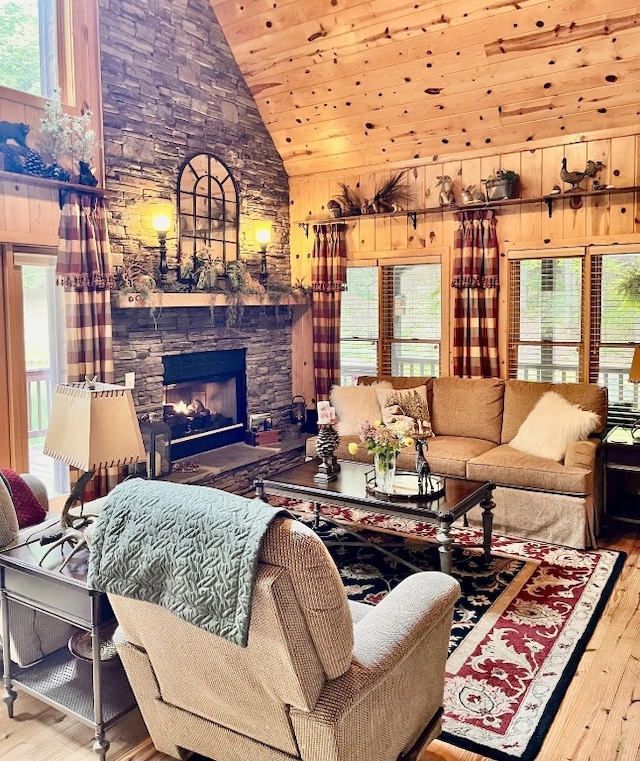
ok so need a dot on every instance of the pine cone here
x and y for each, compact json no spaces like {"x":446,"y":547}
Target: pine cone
{"x":34,"y":164}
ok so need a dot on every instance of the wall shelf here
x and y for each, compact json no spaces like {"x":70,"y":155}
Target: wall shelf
{"x":573,"y":196}
{"x":46,"y":182}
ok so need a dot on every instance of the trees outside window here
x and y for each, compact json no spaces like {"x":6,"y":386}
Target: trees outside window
{"x":575,"y":316}
{"x":391,"y":321}
{"x":28,"y":60}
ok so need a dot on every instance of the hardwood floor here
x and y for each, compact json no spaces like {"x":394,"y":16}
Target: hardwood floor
{"x":599,"y":719}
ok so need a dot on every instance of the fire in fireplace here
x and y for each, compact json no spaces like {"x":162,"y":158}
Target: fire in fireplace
{"x":205,"y":400}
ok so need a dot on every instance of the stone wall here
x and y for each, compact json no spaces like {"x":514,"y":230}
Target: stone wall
{"x":171,"y":89}
{"x":140,"y":343}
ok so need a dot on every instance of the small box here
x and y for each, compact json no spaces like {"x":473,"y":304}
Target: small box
{"x":263,"y":438}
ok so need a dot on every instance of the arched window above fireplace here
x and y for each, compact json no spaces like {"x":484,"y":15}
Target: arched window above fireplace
{"x":208,"y":212}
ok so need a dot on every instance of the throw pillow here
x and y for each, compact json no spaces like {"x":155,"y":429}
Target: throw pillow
{"x":552,"y":426}
{"x":29,"y":511}
{"x":402,"y":404}
{"x":352,"y":405}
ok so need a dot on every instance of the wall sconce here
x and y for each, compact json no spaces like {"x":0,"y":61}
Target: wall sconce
{"x":161,"y":223}
{"x":262,"y":233}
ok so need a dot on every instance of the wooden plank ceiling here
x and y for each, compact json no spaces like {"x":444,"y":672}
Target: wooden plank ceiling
{"x":346,"y":84}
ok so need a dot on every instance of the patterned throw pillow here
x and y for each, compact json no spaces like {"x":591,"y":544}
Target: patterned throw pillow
{"x":403,"y":404}
{"x":29,"y":511}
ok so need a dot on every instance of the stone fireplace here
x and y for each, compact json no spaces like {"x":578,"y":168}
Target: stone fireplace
{"x":205,"y":400}
{"x":231,"y":372}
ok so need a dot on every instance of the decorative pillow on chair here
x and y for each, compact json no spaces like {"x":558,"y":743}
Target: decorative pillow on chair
{"x":552,"y":426}
{"x":354,"y":404}
{"x":411,"y":403}
{"x":29,"y":511}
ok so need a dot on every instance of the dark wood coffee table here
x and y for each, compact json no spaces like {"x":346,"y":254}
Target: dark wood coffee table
{"x":349,"y":490}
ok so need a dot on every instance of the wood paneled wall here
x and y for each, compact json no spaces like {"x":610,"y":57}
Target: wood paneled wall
{"x":603,"y":219}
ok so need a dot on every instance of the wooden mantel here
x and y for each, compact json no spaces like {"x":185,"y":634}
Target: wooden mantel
{"x":172,"y":300}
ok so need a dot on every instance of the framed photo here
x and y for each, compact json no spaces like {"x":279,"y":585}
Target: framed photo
{"x":260,"y":421}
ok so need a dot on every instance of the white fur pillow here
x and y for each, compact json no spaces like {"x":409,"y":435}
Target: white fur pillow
{"x":354,"y":404}
{"x":552,"y":426}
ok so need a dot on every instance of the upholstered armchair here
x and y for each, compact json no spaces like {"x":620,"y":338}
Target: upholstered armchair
{"x":33,"y":634}
{"x":321,"y":679}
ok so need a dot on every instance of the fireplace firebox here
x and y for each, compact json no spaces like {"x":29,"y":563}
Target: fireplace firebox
{"x":205,"y":400}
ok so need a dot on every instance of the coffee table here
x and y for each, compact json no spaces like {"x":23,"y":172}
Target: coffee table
{"x":96,"y":693}
{"x":349,"y":490}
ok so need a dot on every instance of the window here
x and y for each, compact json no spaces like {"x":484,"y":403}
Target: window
{"x":359,"y":325}
{"x":574,"y":316}
{"x":391,"y":321}
{"x":28,"y":54}
{"x":615,"y":325}
{"x":545,"y":319}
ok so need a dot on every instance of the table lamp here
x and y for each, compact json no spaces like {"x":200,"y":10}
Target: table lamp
{"x":91,"y":425}
{"x":634,"y":377}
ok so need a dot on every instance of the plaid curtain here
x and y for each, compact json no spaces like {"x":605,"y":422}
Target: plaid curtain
{"x":328,"y":280}
{"x":84,"y":270}
{"x":475,"y":283}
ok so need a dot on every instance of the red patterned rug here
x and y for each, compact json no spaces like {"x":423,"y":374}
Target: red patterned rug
{"x":520,"y":626}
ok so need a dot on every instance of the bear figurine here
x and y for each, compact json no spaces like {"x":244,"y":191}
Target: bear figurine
{"x":13,"y":131}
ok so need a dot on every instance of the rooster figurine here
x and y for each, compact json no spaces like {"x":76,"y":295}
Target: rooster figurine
{"x":575,"y":178}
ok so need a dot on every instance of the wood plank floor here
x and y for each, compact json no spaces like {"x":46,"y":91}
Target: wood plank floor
{"x":599,"y":719}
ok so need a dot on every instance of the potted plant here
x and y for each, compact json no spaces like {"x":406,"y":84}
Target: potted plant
{"x":502,"y":184}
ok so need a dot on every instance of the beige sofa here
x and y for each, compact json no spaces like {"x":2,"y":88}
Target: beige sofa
{"x":474,"y":421}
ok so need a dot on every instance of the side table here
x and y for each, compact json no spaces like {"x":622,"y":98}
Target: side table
{"x":621,"y":460}
{"x":95,"y":693}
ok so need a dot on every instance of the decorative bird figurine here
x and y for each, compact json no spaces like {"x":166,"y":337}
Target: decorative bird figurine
{"x":575,"y":178}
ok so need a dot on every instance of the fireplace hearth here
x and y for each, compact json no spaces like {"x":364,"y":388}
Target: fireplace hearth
{"x":205,"y":400}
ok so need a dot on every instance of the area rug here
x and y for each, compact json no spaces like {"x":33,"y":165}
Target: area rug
{"x":520,"y":627}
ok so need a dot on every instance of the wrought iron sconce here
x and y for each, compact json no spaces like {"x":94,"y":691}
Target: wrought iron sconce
{"x":262,"y":233}
{"x":161,"y":223}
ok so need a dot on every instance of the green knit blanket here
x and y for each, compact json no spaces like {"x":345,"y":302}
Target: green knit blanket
{"x":191,"y":549}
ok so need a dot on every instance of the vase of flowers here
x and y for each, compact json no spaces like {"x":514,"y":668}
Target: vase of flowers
{"x":384,"y":441}
{"x":384,"y":464}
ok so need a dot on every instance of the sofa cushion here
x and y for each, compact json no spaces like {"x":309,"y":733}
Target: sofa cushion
{"x":470,"y":407}
{"x":447,"y":455}
{"x":552,"y":426}
{"x":520,"y":397}
{"x":353,"y":404}
{"x":507,"y":466}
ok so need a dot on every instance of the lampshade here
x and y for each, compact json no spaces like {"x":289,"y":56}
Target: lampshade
{"x":262,"y":232}
{"x":93,"y":425}
{"x":634,"y":372}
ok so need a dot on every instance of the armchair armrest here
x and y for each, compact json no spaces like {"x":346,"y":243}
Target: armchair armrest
{"x":396,"y":678}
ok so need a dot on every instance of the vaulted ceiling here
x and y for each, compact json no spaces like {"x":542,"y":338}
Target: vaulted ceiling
{"x":345,"y":84}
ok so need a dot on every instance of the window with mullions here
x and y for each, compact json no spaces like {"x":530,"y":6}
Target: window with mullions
{"x":391,"y":321}
{"x":28,"y":54}
{"x":545,"y":319}
{"x":615,"y":327}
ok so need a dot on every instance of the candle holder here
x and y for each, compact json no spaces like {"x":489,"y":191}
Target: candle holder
{"x":326,"y":445}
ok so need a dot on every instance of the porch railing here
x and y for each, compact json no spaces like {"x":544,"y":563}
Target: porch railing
{"x":39,"y":383}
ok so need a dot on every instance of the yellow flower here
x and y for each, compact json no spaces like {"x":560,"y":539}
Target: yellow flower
{"x":353,"y":448}
{"x":408,"y":442}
